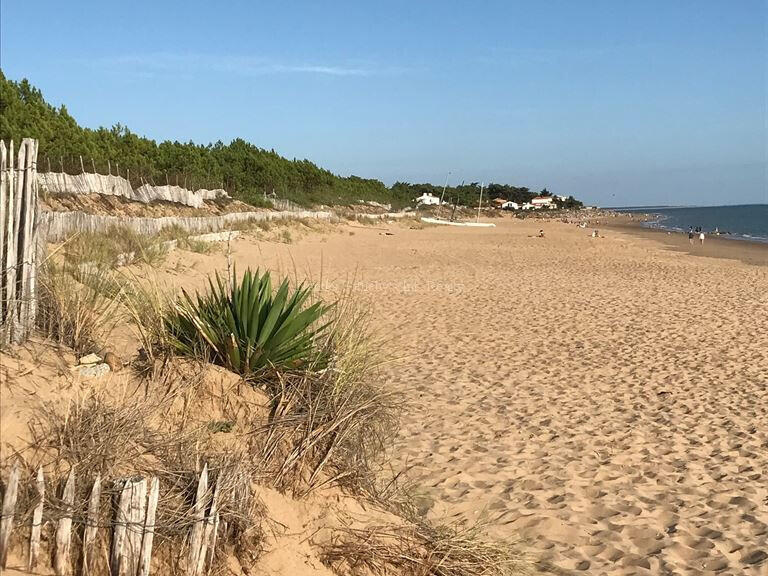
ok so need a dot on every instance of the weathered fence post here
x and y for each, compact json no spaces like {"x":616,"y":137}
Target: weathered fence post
{"x":129,"y":528}
{"x":9,"y":509}
{"x":19,"y":244}
{"x":118,"y":534}
{"x":198,"y":528}
{"x":149,"y":528}
{"x":19,"y":213}
{"x":61,"y":562}
{"x":37,"y":521}
{"x":91,"y":525}
{"x":12,"y":246}
{"x":3,"y":182}
{"x":136,"y":527}
{"x":211,"y":524}
{"x":28,"y":241}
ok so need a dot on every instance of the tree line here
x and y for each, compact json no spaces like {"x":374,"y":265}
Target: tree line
{"x":246,"y":171}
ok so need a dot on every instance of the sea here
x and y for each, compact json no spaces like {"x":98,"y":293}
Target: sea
{"x":744,"y":222}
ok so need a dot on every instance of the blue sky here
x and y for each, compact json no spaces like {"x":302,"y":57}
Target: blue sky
{"x":616,"y":102}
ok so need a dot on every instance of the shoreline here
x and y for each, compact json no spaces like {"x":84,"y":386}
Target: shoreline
{"x":747,"y":251}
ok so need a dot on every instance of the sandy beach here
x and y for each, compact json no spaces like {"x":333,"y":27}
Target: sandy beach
{"x":601,"y":399}
{"x":713,"y":247}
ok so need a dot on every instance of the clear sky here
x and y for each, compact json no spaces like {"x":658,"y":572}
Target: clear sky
{"x":615,"y":101}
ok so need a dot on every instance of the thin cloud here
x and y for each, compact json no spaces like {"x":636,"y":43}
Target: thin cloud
{"x":183,"y":64}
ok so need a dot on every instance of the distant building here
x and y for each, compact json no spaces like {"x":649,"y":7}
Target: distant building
{"x":543,"y":201}
{"x":562,"y":198}
{"x":528,"y":206}
{"x":510,"y":206}
{"x":498,"y":202}
{"x":428,"y":199}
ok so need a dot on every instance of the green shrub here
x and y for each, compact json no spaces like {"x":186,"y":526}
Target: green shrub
{"x":246,"y":327}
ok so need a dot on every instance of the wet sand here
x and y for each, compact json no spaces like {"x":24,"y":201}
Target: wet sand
{"x":713,"y":246}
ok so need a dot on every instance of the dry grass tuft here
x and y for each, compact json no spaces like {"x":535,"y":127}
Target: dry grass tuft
{"x":331,"y":425}
{"x":116,"y":246}
{"x":146,"y":302}
{"x":78,"y":307}
{"x":147,"y":433}
{"x":421,"y":550}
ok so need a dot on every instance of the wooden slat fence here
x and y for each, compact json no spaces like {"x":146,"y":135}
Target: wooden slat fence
{"x":131,"y":530}
{"x":61,"y":225}
{"x":110,"y":185}
{"x":20,"y":241}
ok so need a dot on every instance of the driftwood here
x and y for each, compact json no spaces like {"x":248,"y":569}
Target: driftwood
{"x":9,"y":510}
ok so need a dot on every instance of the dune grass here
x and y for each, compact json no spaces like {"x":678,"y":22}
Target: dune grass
{"x":421,"y":549}
{"x":77,"y":306}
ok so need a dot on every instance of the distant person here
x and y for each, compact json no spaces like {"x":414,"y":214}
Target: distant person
{"x":595,"y":234}
{"x":541,"y":234}
{"x":701,"y":237}
{"x":690,"y":235}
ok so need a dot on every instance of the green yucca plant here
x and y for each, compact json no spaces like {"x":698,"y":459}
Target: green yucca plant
{"x":246,"y":327}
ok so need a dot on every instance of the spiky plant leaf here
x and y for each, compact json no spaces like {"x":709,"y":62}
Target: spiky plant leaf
{"x":246,"y":327}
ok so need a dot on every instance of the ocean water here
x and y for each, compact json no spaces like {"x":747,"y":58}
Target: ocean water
{"x":746,"y":222}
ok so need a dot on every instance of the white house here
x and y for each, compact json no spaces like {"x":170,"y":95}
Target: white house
{"x":528,"y":206}
{"x":562,"y":198}
{"x":543,"y":201}
{"x":510,"y":206}
{"x":428,"y":199}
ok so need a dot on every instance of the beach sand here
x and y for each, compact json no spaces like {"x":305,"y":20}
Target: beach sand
{"x":714,"y":246}
{"x":602,"y":399}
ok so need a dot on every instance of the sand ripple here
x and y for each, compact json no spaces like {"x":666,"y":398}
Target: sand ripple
{"x":603,"y":399}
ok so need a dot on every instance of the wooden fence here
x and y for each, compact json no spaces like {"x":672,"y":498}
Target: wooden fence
{"x":109,"y":185}
{"x":20,"y":243}
{"x":60,"y":225}
{"x":131,"y":528}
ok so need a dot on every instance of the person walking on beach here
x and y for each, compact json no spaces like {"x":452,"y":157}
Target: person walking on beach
{"x":690,"y":234}
{"x":701,"y":237}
